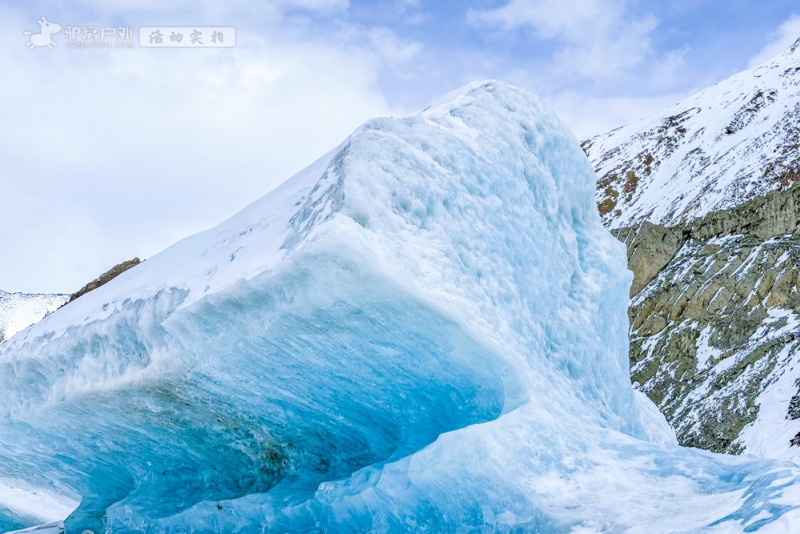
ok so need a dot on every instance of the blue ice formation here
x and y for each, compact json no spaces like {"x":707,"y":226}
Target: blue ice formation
{"x":424,"y":331}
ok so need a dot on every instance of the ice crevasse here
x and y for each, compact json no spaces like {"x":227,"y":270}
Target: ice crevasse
{"x":423,"y":331}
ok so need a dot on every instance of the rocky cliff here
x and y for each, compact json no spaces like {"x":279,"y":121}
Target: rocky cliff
{"x":105,"y":278}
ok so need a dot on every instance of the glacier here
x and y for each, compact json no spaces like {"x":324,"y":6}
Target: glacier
{"x":423,"y":331}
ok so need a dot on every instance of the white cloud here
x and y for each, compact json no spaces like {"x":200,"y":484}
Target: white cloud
{"x":665,"y":71}
{"x":109,"y":154}
{"x":410,"y":11}
{"x":598,"y":39}
{"x":779,"y":40}
{"x":391,"y":48}
{"x":318,"y":5}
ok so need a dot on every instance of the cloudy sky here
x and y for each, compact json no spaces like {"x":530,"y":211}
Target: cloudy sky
{"x":106,"y":154}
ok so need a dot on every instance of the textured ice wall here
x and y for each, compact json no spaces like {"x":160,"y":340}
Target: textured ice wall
{"x":423,"y":331}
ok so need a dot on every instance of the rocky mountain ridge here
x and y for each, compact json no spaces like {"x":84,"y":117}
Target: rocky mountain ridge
{"x":105,"y":278}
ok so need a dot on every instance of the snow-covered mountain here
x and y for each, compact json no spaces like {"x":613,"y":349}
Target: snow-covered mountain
{"x":424,"y":331}
{"x":20,"y":310}
{"x":703,"y":194}
{"x":723,"y":146}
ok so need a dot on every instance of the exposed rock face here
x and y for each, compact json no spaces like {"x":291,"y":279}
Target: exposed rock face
{"x":105,"y":277}
{"x":719,"y":320}
{"x":652,"y":246}
{"x":703,"y":197}
{"x":650,"y":249}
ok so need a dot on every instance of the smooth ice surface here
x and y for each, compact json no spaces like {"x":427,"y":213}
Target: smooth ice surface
{"x":424,"y":331}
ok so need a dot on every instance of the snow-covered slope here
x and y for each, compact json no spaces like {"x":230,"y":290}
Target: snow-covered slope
{"x":719,"y":148}
{"x":424,"y":331}
{"x":715,"y":337}
{"x":20,"y":310}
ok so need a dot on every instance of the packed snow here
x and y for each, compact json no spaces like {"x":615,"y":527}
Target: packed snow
{"x":20,"y":310}
{"x":719,"y":148}
{"x":424,"y":331}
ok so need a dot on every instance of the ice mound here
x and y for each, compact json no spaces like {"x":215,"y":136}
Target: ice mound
{"x":424,"y":331}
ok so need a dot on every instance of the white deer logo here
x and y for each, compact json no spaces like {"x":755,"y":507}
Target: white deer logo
{"x":43,"y":38}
